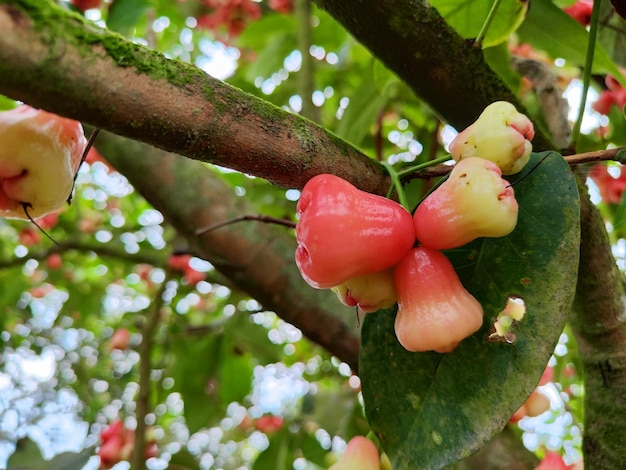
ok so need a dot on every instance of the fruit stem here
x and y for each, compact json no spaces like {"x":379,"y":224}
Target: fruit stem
{"x":490,"y":16}
{"x":591,"y":46}
{"x":421,"y":166}
{"x":397,"y":185}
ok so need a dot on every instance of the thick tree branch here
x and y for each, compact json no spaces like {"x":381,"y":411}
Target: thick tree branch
{"x":412,"y":39}
{"x":256,"y":257}
{"x":56,"y":60}
{"x":600,"y":328}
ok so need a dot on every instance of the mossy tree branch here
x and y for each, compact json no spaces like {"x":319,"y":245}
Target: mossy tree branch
{"x":53,"y":59}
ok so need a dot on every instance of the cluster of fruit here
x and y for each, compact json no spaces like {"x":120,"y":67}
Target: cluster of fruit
{"x":362,"y":245}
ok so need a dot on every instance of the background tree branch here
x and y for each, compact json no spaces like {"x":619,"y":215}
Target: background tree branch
{"x":256,"y":257}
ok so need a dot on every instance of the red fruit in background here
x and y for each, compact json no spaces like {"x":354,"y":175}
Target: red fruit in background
{"x":54,"y":261}
{"x":84,"y":5}
{"x":360,"y":454}
{"x":580,"y":11}
{"x":269,"y":423}
{"x":179,"y":262}
{"x":49,"y":221}
{"x":110,"y":451}
{"x":473,"y":202}
{"x":233,"y":15}
{"x":120,"y":339}
{"x":94,"y":156}
{"x":344,"y":232}
{"x":193,"y":277}
{"x":536,"y":403}
{"x":552,"y":461}
{"x":117,"y":444}
{"x":281,"y":6}
{"x":29,"y":236}
{"x":547,"y":376}
{"x":435,"y":311}
{"x":519,"y":414}
{"x":39,"y":155}
{"x":610,"y":188}
{"x":115,"y":428}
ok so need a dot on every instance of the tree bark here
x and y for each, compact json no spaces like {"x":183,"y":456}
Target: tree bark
{"x":599,"y":324}
{"x":256,"y":257}
{"x":57,"y":61}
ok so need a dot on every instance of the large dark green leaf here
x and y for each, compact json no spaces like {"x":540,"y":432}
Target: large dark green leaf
{"x":432,"y":409}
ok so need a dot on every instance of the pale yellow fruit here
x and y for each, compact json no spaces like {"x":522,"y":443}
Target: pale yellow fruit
{"x":40,"y":153}
{"x":501,"y":134}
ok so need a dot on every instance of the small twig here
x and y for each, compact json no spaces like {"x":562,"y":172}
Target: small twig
{"x":25,"y":206}
{"x":148,"y":329}
{"x":397,"y":185}
{"x":90,"y":143}
{"x":490,"y":16}
{"x":617,"y":154}
{"x":258,"y":217}
{"x":587,"y":70}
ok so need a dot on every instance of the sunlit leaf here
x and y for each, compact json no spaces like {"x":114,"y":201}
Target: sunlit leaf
{"x":432,"y":409}
{"x":124,"y":14}
{"x":544,"y":18}
{"x":468,"y":17}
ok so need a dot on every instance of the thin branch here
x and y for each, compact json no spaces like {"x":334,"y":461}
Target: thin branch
{"x":148,"y":329}
{"x":617,"y":154}
{"x":258,"y":217}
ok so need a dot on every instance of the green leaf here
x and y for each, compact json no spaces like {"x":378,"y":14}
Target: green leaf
{"x":196,"y":362}
{"x":361,"y":113}
{"x":431,"y":409}
{"x":26,"y":453}
{"x":277,"y":456}
{"x":549,"y":28}
{"x":612,"y":33}
{"x":183,"y":459}
{"x":124,"y":14}
{"x":235,"y":374}
{"x":499,"y":59}
{"x":28,"y":457}
{"x":467,"y":17}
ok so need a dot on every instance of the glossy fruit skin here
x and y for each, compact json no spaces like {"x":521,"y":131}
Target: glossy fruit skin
{"x":344,"y":232}
{"x":435,"y":311}
{"x":360,"y":454}
{"x":369,"y":292}
{"x":473,"y":202}
{"x":40,"y":153}
{"x":500,"y":134}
